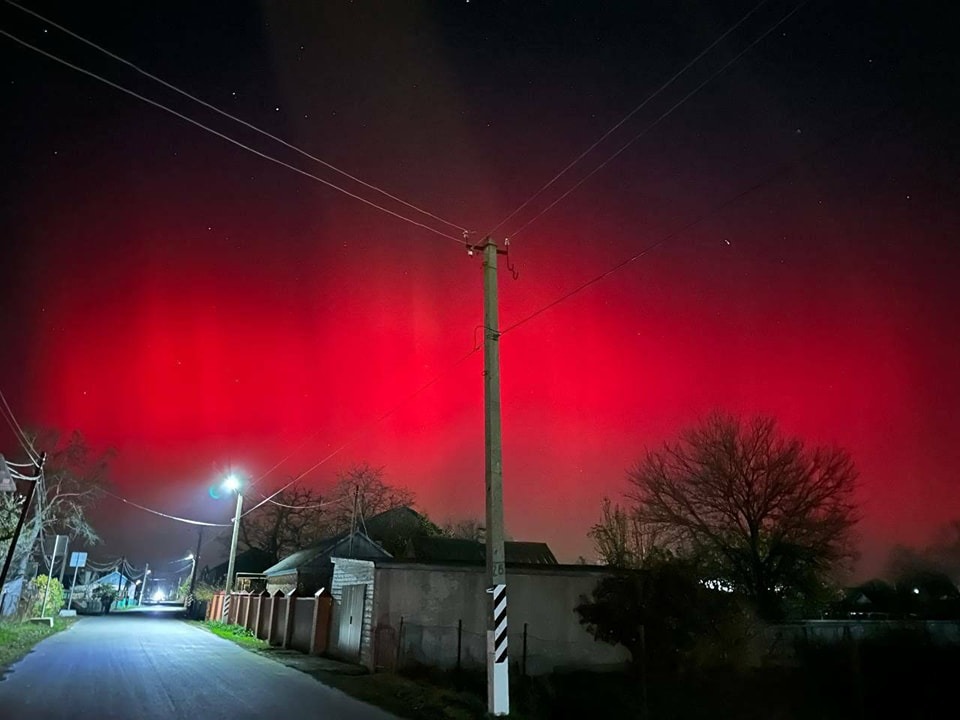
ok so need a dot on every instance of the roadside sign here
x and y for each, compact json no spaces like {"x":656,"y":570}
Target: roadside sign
{"x":55,"y":545}
{"x":78,"y":559}
{"x":6,"y":479}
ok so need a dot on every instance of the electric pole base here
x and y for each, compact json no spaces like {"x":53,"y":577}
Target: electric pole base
{"x":498,"y":682}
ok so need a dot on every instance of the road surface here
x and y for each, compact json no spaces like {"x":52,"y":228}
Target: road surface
{"x":134,"y":665}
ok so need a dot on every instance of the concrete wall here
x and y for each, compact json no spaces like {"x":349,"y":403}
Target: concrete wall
{"x":441,"y":604}
{"x":353,"y":572}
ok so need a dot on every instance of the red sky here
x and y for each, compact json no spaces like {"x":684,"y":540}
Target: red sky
{"x":197,"y":308}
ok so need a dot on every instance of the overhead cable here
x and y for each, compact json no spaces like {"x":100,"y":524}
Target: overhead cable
{"x":19,"y":465}
{"x":236,"y":119}
{"x":629,"y":115}
{"x":22,"y":438}
{"x":188,"y":521}
{"x":223,"y":136}
{"x":660,"y":119}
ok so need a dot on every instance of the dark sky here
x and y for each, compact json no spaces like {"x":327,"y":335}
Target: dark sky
{"x":197,"y":307}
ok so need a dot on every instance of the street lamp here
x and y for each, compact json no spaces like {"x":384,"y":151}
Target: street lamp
{"x":232,"y":484}
{"x":143,"y":586}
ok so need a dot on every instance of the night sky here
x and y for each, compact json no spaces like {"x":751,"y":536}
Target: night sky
{"x":198,"y":307}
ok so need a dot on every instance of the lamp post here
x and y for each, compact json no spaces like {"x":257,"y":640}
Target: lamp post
{"x":143,"y":585}
{"x":193,"y":570}
{"x":232,"y":483}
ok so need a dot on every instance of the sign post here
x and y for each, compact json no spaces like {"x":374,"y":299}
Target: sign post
{"x":58,"y":541}
{"x":77,"y":561}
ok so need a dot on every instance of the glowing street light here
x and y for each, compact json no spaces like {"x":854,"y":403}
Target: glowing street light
{"x":232,"y":484}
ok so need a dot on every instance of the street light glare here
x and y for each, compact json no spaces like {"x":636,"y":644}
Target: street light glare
{"x":232,"y":483}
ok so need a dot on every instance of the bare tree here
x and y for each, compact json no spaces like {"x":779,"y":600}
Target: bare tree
{"x":72,"y":483}
{"x":364,"y":486}
{"x":622,"y":539}
{"x":766,"y":515}
{"x":296,"y":518}
{"x":465,"y":529}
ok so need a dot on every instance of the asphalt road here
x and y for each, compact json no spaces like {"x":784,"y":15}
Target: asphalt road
{"x":131,"y":666}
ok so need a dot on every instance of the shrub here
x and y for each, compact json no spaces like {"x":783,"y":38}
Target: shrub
{"x":54,"y":596}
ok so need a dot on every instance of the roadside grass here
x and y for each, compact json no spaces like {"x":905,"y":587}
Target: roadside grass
{"x":17,"y":639}
{"x":235,"y":633}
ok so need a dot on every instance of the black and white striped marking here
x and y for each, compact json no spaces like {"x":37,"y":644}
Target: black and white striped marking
{"x":500,"y":624}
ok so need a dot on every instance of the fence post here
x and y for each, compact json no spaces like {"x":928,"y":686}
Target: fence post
{"x":523,"y":666}
{"x":459,"y":641}
{"x":246,"y":611}
{"x":274,"y":602}
{"x":321,"y":622}
{"x":400,"y":642}
{"x":288,"y":620}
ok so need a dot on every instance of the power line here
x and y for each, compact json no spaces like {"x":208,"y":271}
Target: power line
{"x":19,"y":475}
{"x":662,"y":117}
{"x":232,"y":117}
{"x":782,"y":170}
{"x":165,"y":515}
{"x":19,"y":465}
{"x":629,"y":115}
{"x":223,"y":136}
{"x":356,"y":435}
{"x":22,"y":438}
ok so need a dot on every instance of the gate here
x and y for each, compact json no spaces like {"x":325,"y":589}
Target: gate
{"x":350,"y":627}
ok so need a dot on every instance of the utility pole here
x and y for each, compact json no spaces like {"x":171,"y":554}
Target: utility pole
{"x":123,"y":561}
{"x":498,"y":672}
{"x":143,"y":585}
{"x":233,"y":542}
{"x":31,"y":488}
{"x":196,"y":561}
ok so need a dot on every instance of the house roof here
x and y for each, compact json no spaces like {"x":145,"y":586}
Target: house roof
{"x":251,"y":560}
{"x":472,"y":552}
{"x":317,"y":556}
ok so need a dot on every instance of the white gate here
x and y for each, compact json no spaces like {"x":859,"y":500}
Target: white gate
{"x":350,"y":629}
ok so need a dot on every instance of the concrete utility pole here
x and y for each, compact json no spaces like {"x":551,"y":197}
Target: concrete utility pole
{"x":196,"y":561}
{"x":233,"y":543}
{"x":143,"y":585}
{"x":123,"y":561}
{"x":498,"y":672}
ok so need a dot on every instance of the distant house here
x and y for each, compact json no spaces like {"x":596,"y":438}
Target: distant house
{"x":384,"y":535}
{"x":395,"y":529}
{"x":252,"y":561}
{"x":310,"y":569}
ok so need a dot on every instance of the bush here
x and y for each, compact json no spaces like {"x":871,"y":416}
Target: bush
{"x":204,"y":591}
{"x":55,"y":600}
